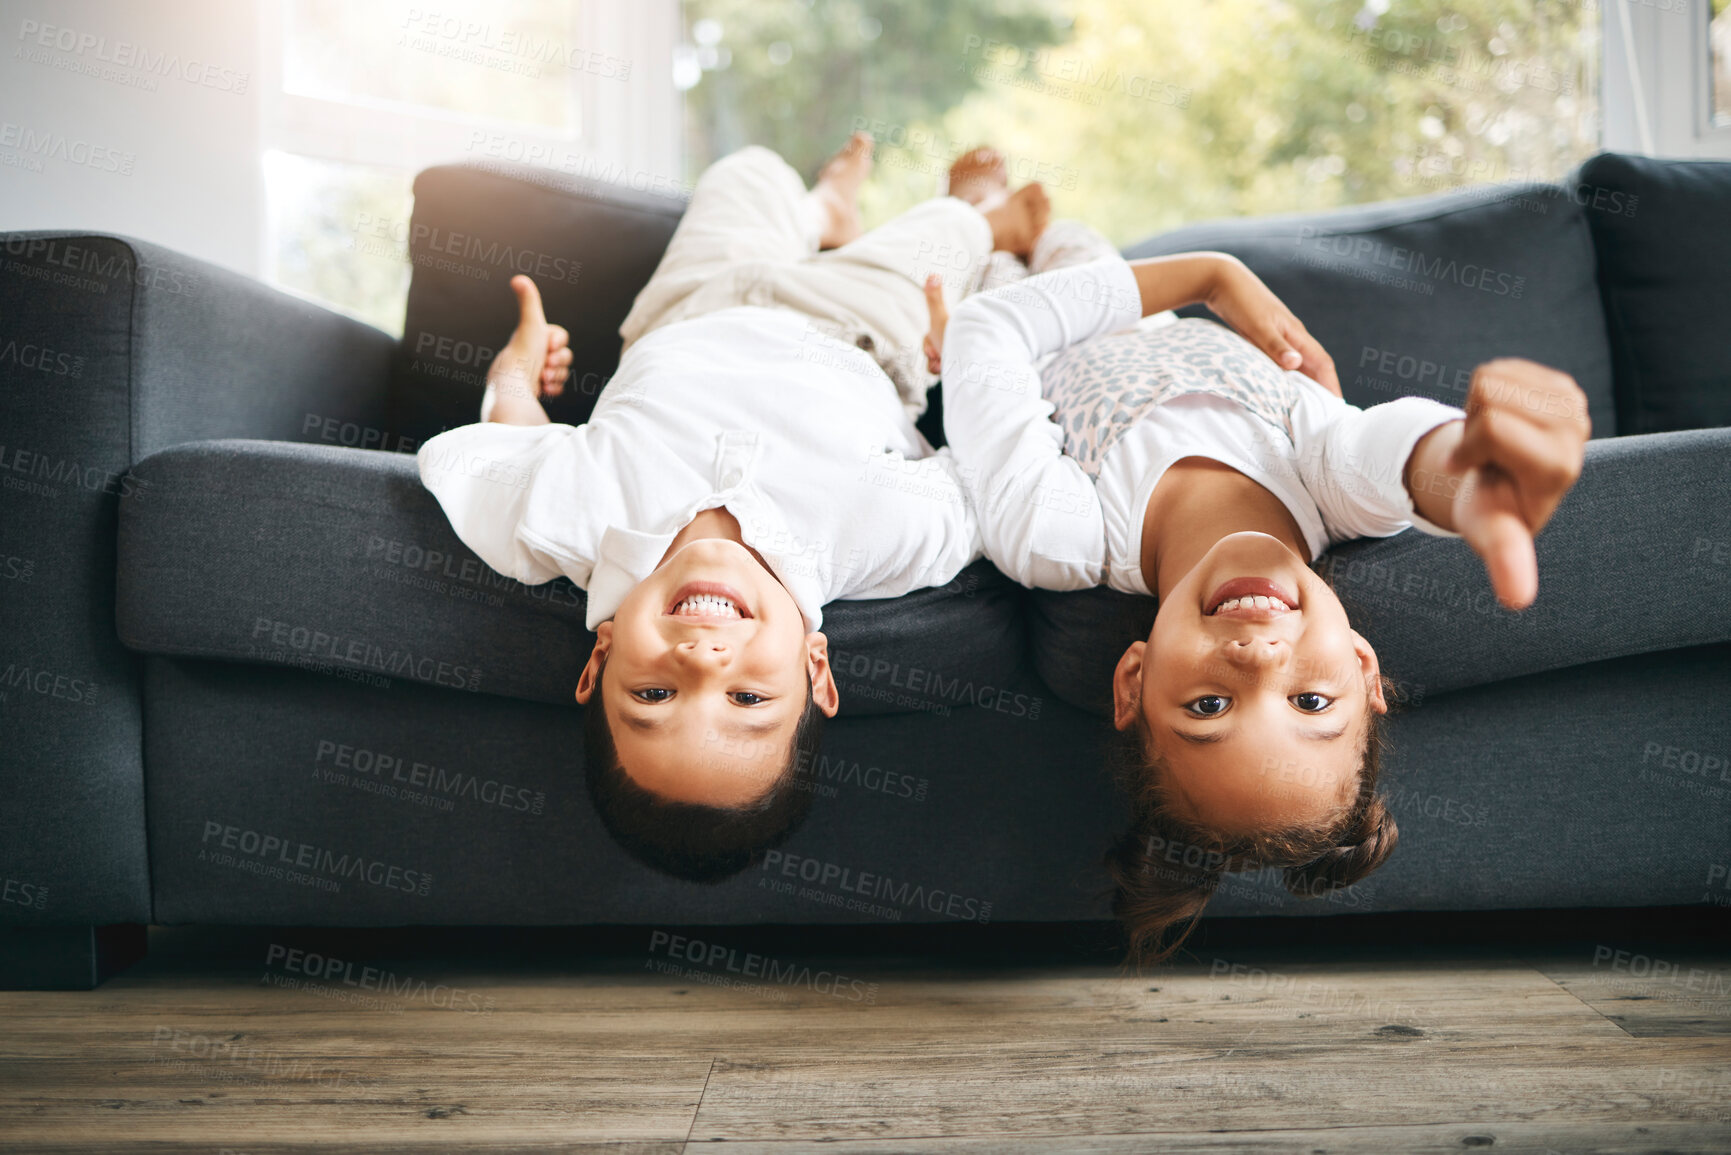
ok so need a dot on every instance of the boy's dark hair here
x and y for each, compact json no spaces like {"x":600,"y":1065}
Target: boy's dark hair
{"x":689,"y":841}
{"x":1159,"y":891}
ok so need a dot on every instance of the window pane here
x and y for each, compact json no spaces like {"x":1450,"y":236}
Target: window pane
{"x":1140,"y":115}
{"x":1719,"y":34}
{"x":339,"y":233}
{"x":506,"y":60}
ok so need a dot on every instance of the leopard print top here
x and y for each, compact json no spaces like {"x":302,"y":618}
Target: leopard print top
{"x":1104,"y":386}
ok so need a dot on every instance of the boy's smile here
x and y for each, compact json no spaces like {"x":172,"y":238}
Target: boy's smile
{"x":705,"y":670}
{"x":1254,"y":689}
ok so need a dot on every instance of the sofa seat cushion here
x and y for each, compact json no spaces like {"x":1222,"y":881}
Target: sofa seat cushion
{"x":1662,"y":230}
{"x":1636,"y":560}
{"x":339,"y":560}
{"x":1408,"y":296}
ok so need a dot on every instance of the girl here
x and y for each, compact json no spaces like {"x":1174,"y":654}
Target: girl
{"x":1182,"y":461}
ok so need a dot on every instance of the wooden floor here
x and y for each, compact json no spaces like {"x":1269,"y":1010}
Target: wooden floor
{"x":249,"y":1047}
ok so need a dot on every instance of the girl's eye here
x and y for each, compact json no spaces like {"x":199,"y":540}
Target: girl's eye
{"x":1209,"y":706}
{"x":747,"y":698}
{"x":1311,"y":703}
{"x":655,"y":694}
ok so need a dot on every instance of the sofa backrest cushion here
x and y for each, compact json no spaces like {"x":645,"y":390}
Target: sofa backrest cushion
{"x":1408,"y":296}
{"x":1662,"y":232}
{"x":340,"y":561}
{"x":590,"y":246}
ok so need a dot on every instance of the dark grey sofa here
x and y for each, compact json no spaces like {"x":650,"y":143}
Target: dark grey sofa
{"x":252,"y":677}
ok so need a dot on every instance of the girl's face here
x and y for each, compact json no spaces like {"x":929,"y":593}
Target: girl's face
{"x":1255,"y":690}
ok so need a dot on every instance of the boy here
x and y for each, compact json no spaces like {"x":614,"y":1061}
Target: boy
{"x":743,"y":467}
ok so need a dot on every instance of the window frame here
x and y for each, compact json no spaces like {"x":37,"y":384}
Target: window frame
{"x":1657,"y":80}
{"x":625,"y":128}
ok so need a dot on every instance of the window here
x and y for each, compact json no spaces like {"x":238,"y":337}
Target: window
{"x":1140,"y":115}
{"x":360,"y":95}
{"x":1719,"y":40}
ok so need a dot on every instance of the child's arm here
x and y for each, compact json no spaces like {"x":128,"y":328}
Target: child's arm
{"x":1219,"y":280}
{"x":1040,"y":520}
{"x":1496,"y":477}
{"x":1237,"y":296}
{"x":534,"y":362}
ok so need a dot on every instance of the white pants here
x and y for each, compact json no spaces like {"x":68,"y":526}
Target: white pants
{"x":750,"y":237}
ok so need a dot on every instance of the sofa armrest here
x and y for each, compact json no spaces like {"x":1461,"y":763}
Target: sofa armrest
{"x":207,"y":352}
{"x":111,"y":349}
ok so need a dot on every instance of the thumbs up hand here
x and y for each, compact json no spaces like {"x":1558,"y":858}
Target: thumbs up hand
{"x":536,"y":361}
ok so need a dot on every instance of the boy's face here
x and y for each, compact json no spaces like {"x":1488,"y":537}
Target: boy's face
{"x":1260,"y":711}
{"x":706,"y":666}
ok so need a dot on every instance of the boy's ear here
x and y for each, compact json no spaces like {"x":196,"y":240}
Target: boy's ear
{"x":823,"y":690}
{"x":1372,"y":671}
{"x":1127,"y":687}
{"x":591,"y":675}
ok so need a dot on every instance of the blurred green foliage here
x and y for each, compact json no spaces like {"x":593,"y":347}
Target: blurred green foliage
{"x":1140,"y":115}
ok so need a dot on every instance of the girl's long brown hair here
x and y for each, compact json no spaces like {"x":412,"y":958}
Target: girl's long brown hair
{"x":1167,"y":866}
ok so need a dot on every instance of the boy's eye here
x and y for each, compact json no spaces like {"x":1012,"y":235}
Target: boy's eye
{"x":1208,"y":706}
{"x":1311,"y":703}
{"x":653,"y":694}
{"x":747,"y":698}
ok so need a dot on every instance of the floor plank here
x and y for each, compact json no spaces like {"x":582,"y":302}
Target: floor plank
{"x":1649,"y":994}
{"x":1258,"y":1052}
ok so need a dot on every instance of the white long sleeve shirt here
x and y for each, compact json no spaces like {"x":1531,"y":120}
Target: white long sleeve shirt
{"x":1047,"y":525}
{"x":800,"y":436}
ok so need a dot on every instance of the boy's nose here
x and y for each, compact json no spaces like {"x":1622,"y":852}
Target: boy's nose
{"x":705,"y":653}
{"x":1257,"y":651}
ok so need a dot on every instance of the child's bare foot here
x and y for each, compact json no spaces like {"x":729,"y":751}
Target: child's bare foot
{"x":537,"y":359}
{"x":1019,"y":221}
{"x":980,"y":177}
{"x":837,"y":190}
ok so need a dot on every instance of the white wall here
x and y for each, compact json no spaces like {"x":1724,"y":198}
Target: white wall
{"x":137,"y":117}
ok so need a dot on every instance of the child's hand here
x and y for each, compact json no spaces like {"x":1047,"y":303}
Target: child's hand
{"x":1520,"y":450}
{"x":536,"y":361}
{"x":940,"y":315}
{"x":1249,"y":306}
